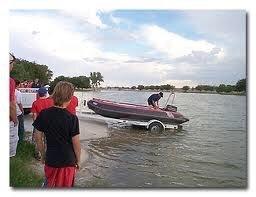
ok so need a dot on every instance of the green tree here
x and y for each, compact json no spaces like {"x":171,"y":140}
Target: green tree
{"x":140,"y":87}
{"x":84,"y":82}
{"x":221,"y":88}
{"x":168,"y":87}
{"x":58,"y":79}
{"x":225,"y":88}
{"x":96,"y":78}
{"x":26,"y":70}
{"x":152,"y":87}
{"x":230,"y":88}
{"x":172,"y":87}
{"x":241,"y":85}
{"x":199,"y":87}
{"x":185,"y":88}
{"x":78,"y":82}
{"x":99,"y":78}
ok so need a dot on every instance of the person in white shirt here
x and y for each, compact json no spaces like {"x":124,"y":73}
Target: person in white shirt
{"x":20,"y":111}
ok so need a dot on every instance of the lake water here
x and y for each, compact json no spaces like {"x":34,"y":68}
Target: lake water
{"x":210,"y":151}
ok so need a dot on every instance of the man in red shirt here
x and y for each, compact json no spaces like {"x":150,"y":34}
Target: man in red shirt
{"x":72,"y":105}
{"x":43,"y":102}
{"x":13,"y":114}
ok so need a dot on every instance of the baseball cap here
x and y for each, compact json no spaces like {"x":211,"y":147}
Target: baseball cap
{"x":42,"y":91}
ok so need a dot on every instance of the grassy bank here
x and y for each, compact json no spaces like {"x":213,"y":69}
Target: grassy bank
{"x":21,"y":173}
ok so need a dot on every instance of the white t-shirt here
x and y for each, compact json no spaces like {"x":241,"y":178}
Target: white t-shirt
{"x":18,"y":101}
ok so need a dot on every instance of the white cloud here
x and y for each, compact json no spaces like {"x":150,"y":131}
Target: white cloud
{"x":201,"y":57}
{"x":115,"y":20}
{"x":58,"y":39}
{"x":173,"y":44}
{"x":51,"y":38}
{"x":228,"y":25}
{"x":89,"y":16}
{"x":181,"y":83}
{"x":225,"y":27}
{"x":130,"y":74}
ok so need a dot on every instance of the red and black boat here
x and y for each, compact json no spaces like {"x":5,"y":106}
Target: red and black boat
{"x":128,"y":111}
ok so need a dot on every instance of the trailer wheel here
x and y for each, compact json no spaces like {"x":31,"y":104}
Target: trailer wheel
{"x":180,"y":127}
{"x":156,"y":127}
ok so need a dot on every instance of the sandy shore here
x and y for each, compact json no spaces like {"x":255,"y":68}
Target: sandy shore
{"x":89,"y":129}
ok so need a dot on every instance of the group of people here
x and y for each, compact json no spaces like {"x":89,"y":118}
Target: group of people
{"x":56,"y":130}
{"x":44,"y":101}
{"x":30,"y":84}
{"x":56,"y":134}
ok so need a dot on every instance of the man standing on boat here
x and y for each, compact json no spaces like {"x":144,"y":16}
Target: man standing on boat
{"x":153,"y":100}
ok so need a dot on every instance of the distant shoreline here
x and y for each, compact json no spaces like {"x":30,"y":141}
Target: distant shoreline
{"x":175,"y":91}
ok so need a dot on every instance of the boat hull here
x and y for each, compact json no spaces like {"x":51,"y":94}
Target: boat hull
{"x":128,"y":111}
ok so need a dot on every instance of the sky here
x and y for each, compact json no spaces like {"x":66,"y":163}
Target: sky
{"x":132,"y":47}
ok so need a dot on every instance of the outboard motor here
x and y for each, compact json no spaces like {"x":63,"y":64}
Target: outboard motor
{"x":171,"y":108}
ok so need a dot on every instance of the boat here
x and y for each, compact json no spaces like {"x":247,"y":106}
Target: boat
{"x":128,"y":111}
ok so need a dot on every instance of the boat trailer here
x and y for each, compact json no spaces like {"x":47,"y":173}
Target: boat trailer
{"x":154,"y":126}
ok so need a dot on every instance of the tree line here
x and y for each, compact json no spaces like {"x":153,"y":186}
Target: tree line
{"x":154,"y":87}
{"x":81,"y":82}
{"x":29,"y":71}
{"x":240,"y":86}
{"x":78,"y":82}
{"x":25,"y":70}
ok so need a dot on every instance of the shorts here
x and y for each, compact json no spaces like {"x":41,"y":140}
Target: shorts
{"x":59,"y":177}
{"x":150,"y":102}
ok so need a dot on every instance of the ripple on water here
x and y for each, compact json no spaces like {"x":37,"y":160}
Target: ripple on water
{"x":208,"y":152}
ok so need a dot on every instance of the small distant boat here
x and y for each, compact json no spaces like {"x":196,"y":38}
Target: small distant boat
{"x":128,"y":111}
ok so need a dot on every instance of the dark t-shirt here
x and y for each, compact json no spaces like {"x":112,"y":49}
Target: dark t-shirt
{"x":59,"y":126}
{"x":154,"y":97}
